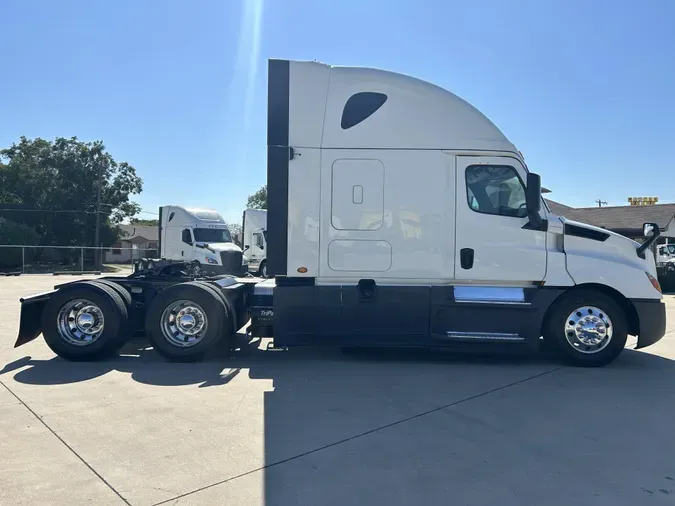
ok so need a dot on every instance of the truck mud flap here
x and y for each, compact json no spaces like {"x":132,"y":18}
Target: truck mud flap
{"x":31,"y":314}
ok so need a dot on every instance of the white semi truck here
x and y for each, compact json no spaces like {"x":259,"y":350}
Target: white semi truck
{"x":665,"y":256}
{"x":254,"y":232}
{"x":399,"y":216}
{"x":197,"y":236}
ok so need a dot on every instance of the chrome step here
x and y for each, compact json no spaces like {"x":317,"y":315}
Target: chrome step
{"x":485,"y":336}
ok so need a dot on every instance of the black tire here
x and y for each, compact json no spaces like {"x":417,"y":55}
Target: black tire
{"x":555,"y":334}
{"x":262,"y":270}
{"x":228,"y":318}
{"x":115,"y":318}
{"x":121,"y":291}
{"x":211,"y":304}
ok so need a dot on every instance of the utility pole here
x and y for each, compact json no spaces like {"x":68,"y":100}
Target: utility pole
{"x":600,"y":202}
{"x":97,"y":253}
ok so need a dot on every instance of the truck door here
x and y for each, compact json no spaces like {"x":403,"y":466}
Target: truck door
{"x":494,"y":241}
{"x":187,"y":245}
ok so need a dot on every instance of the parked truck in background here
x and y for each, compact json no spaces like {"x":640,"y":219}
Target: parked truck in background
{"x":399,"y":216}
{"x":197,"y":236}
{"x":254,"y":233}
{"x":665,"y":257}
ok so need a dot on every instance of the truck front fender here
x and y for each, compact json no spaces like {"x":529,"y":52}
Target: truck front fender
{"x":31,"y":316}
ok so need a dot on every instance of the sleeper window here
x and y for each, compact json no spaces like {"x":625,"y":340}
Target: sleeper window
{"x":495,"y":189}
{"x":361,"y":106}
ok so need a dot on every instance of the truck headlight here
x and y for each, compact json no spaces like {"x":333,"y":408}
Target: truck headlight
{"x":211,"y":260}
{"x":655,"y":282}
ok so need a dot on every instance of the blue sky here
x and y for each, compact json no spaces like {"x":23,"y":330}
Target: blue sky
{"x":585,"y":89}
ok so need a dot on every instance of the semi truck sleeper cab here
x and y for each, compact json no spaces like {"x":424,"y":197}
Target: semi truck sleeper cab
{"x":399,"y":215}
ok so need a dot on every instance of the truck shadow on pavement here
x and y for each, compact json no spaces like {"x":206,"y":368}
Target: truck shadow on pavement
{"x":403,"y":427}
{"x":138,"y":359}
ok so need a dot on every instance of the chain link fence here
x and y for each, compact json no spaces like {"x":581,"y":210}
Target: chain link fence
{"x":20,"y":259}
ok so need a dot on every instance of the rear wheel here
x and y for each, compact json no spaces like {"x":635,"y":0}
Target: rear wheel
{"x":587,"y":328}
{"x":85,"y":321}
{"x":184,"y":321}
{"x":228,"y":319}
{"x":121,"y":291}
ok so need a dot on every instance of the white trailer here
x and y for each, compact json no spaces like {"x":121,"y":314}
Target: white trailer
{"x":399,"y":216}
{"x":254,"y":233}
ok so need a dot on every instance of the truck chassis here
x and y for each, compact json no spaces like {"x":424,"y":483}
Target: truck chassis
{"x":92,"y":319}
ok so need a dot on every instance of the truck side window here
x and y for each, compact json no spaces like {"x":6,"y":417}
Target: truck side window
{"x":495,"y":189}
{"x":361,"y":106}
{"x":186,"y":236}
{"x":258,"y":240}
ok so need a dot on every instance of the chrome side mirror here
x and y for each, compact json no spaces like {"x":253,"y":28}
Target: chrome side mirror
{"x":648,"y":229}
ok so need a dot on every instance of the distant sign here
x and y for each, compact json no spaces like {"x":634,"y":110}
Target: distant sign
{"x":642,"y":201}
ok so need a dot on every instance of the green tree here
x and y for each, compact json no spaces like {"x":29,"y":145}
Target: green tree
{"x":258,"y":200}
{"x":15,"y":234}
{"x":144,"y":223}
{"x":50,"y":187}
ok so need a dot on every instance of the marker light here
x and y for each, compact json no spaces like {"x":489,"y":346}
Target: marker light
{"x":654,"y":281}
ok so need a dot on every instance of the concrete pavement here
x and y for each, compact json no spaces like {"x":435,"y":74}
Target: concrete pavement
{"x":321,"y":428}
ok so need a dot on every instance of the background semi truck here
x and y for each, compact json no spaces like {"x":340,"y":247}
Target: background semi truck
{"x":197,"y":236}
{"x":399,"y":216}
{"x":254,"y":233}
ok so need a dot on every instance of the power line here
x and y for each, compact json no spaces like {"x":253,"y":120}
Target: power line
{"x":76,"y":211}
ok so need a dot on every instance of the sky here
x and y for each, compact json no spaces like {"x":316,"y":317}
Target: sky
{"x":585,"y":89}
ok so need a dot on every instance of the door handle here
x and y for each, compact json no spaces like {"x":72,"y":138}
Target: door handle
{"x":466,"y":258}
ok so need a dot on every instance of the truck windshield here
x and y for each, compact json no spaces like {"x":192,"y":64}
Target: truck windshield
{"x":212,"y":235}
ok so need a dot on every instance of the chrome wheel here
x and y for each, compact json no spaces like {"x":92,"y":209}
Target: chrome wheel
{"x":80,"y":322}
{"x":588,"y":330}
{"x":184,"y":323}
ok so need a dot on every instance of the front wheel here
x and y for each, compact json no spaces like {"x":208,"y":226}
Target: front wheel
{"x":263,"y":269}
{"x":587,"y":328}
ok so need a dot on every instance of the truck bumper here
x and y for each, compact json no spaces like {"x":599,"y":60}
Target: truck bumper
{"x":652,"y":321}
{"x":218,"y":270}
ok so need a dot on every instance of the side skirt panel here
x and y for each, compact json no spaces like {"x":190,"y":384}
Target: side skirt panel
{"x":404,"y":316}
